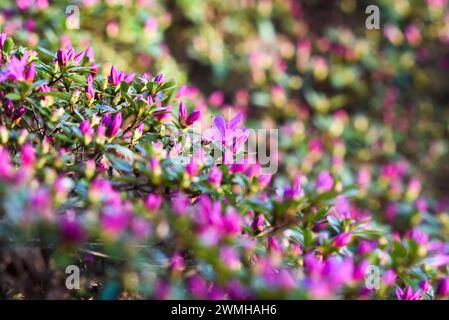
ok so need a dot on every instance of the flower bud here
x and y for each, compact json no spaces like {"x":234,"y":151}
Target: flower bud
{"x":115,"y":125}
{"x":443,"y":287}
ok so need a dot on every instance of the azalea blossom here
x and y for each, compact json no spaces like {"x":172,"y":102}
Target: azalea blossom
{"x":227,"y":136}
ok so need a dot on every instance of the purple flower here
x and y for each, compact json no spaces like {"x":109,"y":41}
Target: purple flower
{"x":159,"y":78}
{"x":6,"y":168}
{"x":153,"y":202}
{"x":197,"y":287}
{"x":227,"y":134}
{"x":407,"y":294}
{"x":176,"y":263}
{"x":360,"y":270}
{"x":191,"y":169}
{"x":106,"y":120}
{"x":116,"y":77}
{"x":443,"y":287}
{"x":424,"y":285}
{"x":295,"y":191}
{"x":71,"y":229}
{"x":258,"y":223}
{"x":18,"y":113}
{"x":193,"y":117}
{"x":231,"y":223}
{"x":324,"y":182}
{"x":115,"y":125}
{"x":418,"y":236}
{"x":140,"y":228}
{"x":161,"y":289}
{"x":64,"y":56}
{"x":342,"y":239}
{"x":230,"y":258}
{"x":215,"y":176}
{"x":366,"y":246}
{"x":17,"y":70}
{"x":89,"y":88}
{"x":86,"y":128}
{"x":2,"y":40}
{"x":264,"y":180}
{"x":273,"y":245}
{"x":114,"y":220}
{"x":180,"y":204}
{"x":182,"y":116}
{"x":389,"y":277}
{"x":27,"y":155}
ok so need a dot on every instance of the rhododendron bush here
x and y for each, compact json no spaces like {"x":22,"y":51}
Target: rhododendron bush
{"x":140,"y":166}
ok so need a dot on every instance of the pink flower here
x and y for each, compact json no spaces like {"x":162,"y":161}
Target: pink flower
{"x":295,"y":191}
{"x":324,"y":182}
{"x":389,"y":277}
{"x":116,"y":77}
{"x":191,"y":169}
{"x":6,"y":168}
{"x":231,"y":223}
{"x":17,"y":70}
{"x":114,"y":125}
{"x":71,"y":229}
{"x":424,"y":285}
{"x":185,"y":120}
{"x":2,"y":40}
{"x":230,"y":258}
{"x":176,"y":262}
{"x":342,"y":239}
{"x":86,"y":128}
{"x":407,"y":294}
{"x":140,"y":228}
{"x":216,"y":98}
{"x":180,"y":204}
{"x":366,"y":246}
{"x":227,"y":134}
{"x":153,"y":202}
{"x":114,"y":220}
{"x":197,"y":287}
{"x":360,"y":270}
{"x":89,"y":88}
{"x":27,"y":156}
{"x":159,"y":78}
{"x":215,"y":176}
{"x":258,"y":223}
{"x":443,"y":287}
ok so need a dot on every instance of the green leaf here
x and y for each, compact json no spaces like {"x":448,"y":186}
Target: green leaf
{"x":119,"y":164}
{"x":39,"y":83}
{"x":129,"y":99}
{"x":13,"y":96}
{"x":58,"y":94}
{"x":104,"y":107}
{"x":334,"y":223}
{"x":8,"y":45}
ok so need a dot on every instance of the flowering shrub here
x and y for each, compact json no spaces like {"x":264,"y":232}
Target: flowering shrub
{"x":93,"y":173}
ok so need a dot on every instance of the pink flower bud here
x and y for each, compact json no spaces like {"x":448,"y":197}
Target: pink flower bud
{"x":115,"y":125}
{"x":342,"y":239}
{"x":193,"y":117}
{"x":182,"y":116}
{"x":153,"y":202}
{"x":159,"y":78}
{"x":443,"y":287}
{"x":215,"y":176}
{"x":258,"y":223}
